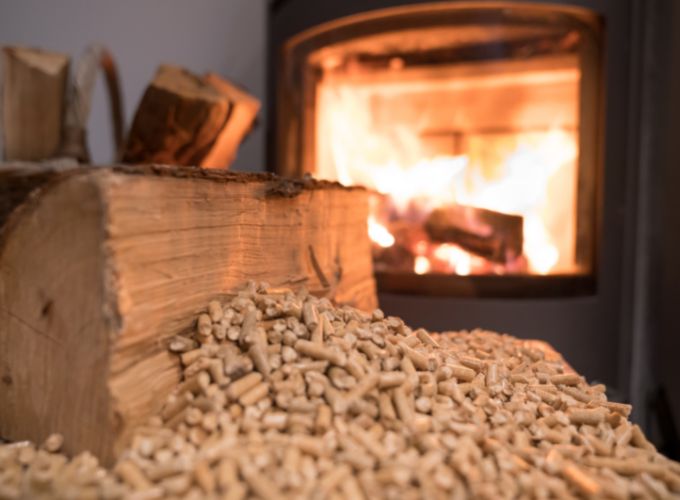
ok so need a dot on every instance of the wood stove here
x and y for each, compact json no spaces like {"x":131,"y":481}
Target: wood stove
{"x":458,"y":116}
{"x":521,"y":123}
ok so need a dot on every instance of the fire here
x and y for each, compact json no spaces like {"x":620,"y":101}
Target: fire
{"x":422,"y":265}
{"x":459,"y":260}
{"x":531,"y":174}
{"x":379,"y":233}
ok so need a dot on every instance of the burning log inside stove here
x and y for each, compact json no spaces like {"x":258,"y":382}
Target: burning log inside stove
{"x":400,"y":256}
{"x":493,"y":235}
{"x":397,"y":257}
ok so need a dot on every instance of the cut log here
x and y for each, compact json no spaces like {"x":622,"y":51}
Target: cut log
{"x":178,"y":120}
{"x":34,"y":86}
{"x":244,"y":109}
{"x":19,"y":179}
{"x":184,"y":119}
{"x":99,"y":268}
{"x":493,"y":235}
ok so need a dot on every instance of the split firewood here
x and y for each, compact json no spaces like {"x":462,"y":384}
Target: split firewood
{"x":244,"y":109}
{"x":33,"y":107}
{"x":178,"y":120}
{"x":370,"y":409}
{"x":100,"y":267}
{"x":184,"y":119}
{"x":493,"y":235}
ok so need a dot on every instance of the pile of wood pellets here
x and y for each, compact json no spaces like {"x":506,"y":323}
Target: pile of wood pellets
{"x":287,"y":396}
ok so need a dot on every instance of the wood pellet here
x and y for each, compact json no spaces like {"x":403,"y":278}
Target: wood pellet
{"x":285,"y":395}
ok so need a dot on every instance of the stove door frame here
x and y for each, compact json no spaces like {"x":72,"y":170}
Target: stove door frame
{"x":296,"y":127}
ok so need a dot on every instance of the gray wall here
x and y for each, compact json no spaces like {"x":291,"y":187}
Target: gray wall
{"x":226,"y":36}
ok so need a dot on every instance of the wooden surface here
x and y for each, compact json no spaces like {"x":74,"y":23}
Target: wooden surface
{"x":34,"y":84}
{"x":177,"y":121}
{"x":241,"y":120}
{"x":19,"y":179}
{"x":100,"y":268}
{"x":184,"y":119}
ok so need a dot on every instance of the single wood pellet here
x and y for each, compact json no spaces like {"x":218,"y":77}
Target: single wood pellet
{"x":287,"y":396}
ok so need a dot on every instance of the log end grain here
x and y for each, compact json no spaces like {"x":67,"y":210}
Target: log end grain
{"x":34,"y":85}
{"x":178,"y":120}
{"x":103,"y":266}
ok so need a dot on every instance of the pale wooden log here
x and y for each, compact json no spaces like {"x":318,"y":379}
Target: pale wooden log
{"x":99,"y":269}
{"x":34,"y":84}
{"x":241,"y":120}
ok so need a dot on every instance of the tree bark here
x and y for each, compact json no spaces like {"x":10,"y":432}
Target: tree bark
{"x":241,"y":121}
{"x":19,"y":179}
{"x":184,"y":119}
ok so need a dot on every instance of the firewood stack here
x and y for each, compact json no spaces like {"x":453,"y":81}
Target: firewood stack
{"x":182,"y":119}
{"x":33,"y":104}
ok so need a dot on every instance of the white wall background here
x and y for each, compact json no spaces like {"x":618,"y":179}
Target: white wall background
{"x":225,"y":36}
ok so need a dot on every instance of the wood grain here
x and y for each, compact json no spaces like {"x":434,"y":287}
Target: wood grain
{"x":244,"y":109}
{"x":177,"y":121}
{"x":185,"y":119}
{"x":34,"y":86}
{"x":19,"y":179}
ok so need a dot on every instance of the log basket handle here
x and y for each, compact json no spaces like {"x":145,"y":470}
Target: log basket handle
{"x":79,"y":103}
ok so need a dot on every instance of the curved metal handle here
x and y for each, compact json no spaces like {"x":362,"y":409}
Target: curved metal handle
{"x":79,"y":103}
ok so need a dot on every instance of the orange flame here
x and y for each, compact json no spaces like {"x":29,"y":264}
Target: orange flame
{"x":535,"y":177}
{"x":379,"y":233}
